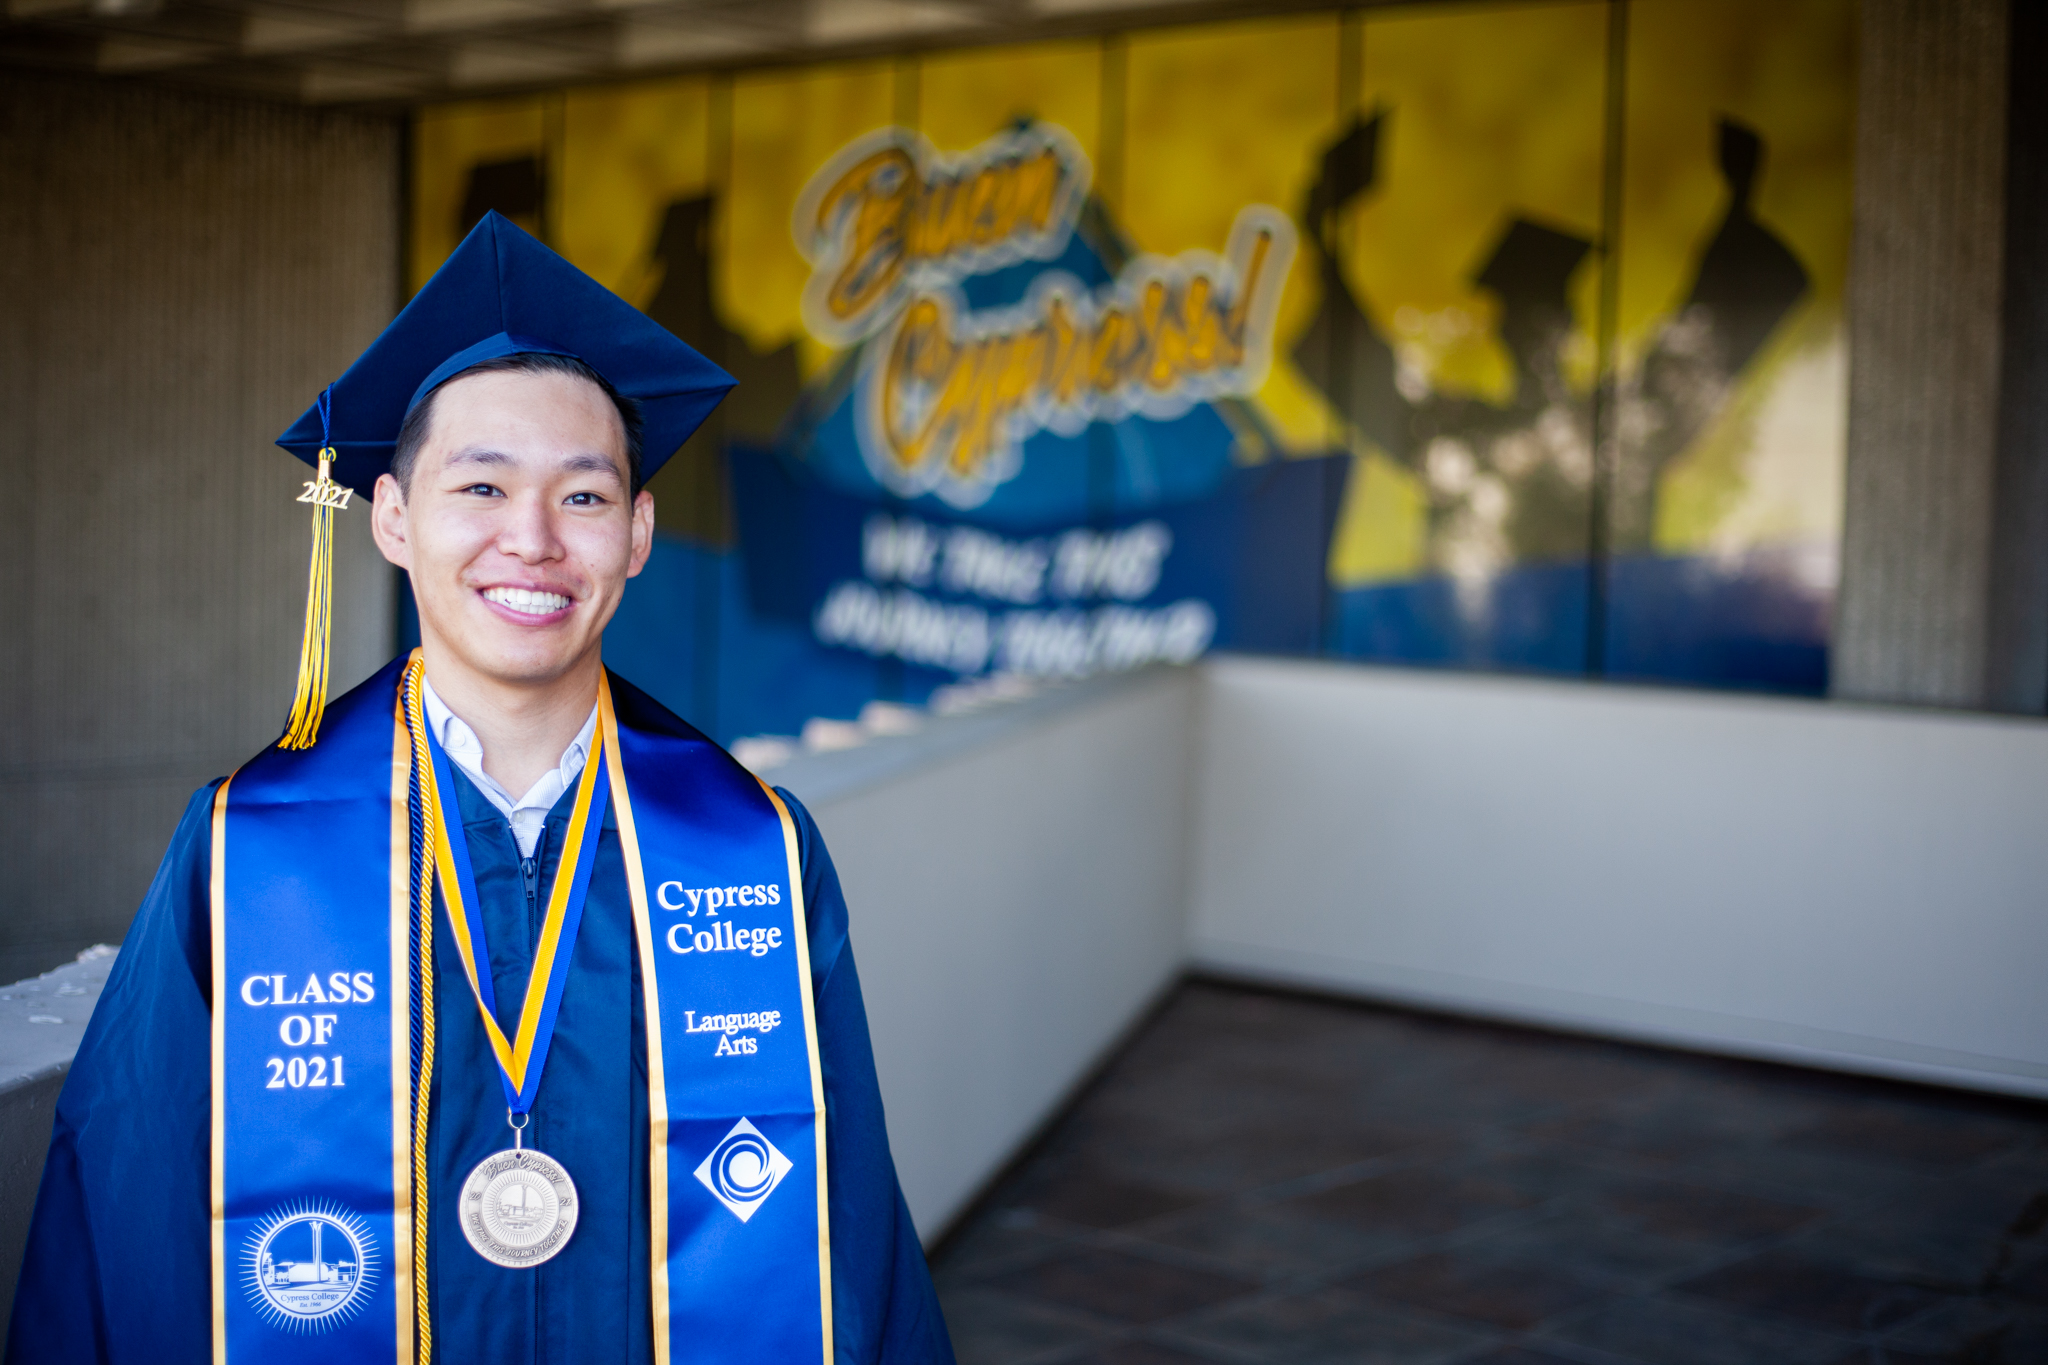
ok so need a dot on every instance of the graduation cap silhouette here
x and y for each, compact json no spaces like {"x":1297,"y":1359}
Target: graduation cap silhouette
{"x":1349,"y":167}
{"x":516,"y":188}
{"x":502,"y":293}
{"x":1749,"y":279}
{"x":1531,"y":266}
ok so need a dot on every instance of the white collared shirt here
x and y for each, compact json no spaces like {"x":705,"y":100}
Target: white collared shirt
{"x":530,"y":811}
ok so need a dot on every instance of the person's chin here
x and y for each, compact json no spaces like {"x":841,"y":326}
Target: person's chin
{"x":525,"y":654}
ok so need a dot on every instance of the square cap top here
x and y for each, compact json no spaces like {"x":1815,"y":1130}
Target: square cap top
{"x":502,"y":293}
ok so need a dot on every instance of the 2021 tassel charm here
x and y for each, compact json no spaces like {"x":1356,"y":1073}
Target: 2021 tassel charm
{"x":309,"y":700}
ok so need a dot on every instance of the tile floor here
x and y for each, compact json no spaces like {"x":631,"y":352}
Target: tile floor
{"x":1264,"y":1178}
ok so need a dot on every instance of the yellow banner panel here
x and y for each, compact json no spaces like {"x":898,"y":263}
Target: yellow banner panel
{"x":1492,"y":115}
{"x":1218,"y":118}
{"x":467,"y":158}
{"x":1735,"y":246}
{"x":965,"y":98}
{"x":785,"y":125}
{"x":634,"y":159}
{"x":1464,"y":224}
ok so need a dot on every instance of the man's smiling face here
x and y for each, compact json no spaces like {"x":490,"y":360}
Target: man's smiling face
{"x":520,"y":528}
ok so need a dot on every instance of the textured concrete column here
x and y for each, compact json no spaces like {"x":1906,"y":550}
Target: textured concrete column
{"x":2017,"y":678}
{"x":1924,"y":325}
{"x":179,"y":275}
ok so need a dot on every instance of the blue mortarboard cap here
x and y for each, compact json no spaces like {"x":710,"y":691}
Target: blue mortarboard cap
{"x":503,"y":293}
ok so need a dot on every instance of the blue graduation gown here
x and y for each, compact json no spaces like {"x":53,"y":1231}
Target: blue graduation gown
{"x":117,"y":1266}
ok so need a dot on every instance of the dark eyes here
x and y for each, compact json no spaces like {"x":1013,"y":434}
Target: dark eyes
{"x":488,"y":490}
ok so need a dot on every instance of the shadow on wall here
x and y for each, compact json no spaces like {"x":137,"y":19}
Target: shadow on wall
{"x":1510,"y":486}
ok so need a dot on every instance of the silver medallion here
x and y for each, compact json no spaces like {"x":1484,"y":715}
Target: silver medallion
{"x":518,"y":1207}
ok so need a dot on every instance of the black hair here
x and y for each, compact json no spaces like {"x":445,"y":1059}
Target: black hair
{"x":419,"y":419}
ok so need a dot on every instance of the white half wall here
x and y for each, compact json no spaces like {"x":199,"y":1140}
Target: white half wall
{"x":1823,"y":883}
{"x":1816,"y":882}
{"x":1015,"y":887}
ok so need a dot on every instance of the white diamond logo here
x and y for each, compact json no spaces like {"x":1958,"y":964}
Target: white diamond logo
{"x":743,"y":1170}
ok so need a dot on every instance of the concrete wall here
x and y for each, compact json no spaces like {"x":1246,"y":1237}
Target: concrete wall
{"x":1845,"y":886}
{"x":178,"y":278}
{"x":42,"y":1022}
{"x":1015,"y":889}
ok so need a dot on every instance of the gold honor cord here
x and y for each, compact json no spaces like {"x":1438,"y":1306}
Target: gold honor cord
{"x":217,"y":909}
{"x":800,"y":936}
{"x":423,"y":947}
{"x":515,"y":1057}
{"x":309,"y":699}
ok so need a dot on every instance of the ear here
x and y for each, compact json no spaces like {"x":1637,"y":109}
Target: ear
{"x":387,"y":522}
{"x":643,"y":533}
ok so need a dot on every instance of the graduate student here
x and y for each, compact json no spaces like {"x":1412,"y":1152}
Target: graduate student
{"x":493,"y":1014}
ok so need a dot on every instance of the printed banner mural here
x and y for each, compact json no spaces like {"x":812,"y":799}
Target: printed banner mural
{"x":1488,"y":336}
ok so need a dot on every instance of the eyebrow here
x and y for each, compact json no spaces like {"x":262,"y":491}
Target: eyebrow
{"x":575,"y":464}
{"x":479,"y":455}
{"x":592,"y":464}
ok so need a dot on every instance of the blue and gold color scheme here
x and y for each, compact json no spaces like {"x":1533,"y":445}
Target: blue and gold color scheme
{"x":522,"y":1058}
{"x":1551,"y":293}
{"x":689,"y":1012}
{"x":501,"y":293}
{"x":993,"y":327}
{"x":724,"y":933}
{"x":314,"y":1111}
{"x":312,"y":1054}
{"x":128,"y":1163}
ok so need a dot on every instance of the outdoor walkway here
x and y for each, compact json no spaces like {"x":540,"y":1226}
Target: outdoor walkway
{"x":1269,"y":1178}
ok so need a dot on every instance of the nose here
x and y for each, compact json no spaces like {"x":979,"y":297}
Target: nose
{"x":529,"y":534}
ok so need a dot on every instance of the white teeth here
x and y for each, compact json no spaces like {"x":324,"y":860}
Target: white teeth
{"x":526,"y":601}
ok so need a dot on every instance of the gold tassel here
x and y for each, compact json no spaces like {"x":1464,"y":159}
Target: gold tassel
{"x":309,"y":701}
{"x":423,"y":951}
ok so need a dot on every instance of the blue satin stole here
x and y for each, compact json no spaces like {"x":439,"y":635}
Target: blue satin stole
{"x":314,"y":1053}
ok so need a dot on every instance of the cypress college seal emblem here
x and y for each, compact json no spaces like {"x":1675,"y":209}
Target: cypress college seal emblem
{"x":309,"y":1267}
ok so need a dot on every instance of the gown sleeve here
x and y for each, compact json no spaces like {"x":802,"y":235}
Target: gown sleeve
{"x":884,"y":1309}
{"x":117,"y":1268}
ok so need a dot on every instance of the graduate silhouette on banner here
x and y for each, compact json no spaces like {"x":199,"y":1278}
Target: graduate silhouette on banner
{"x":1537,"y":445}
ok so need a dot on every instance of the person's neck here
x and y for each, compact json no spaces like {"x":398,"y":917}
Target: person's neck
{"x":523,"y":727}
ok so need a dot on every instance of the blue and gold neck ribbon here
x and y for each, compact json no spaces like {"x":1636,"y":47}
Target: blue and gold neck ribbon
{"x":522,"y":1057}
